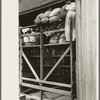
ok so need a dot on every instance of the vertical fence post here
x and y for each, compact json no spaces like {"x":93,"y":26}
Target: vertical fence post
{"x":71,"y":63}
{"x":20,"y":58}
{"x":41,"y":59}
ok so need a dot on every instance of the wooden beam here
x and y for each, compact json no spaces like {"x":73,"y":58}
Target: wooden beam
{"x":87,"y":49}
{"x":41,"y":55}
{"x":56,"y":44}
{"x":47,"y":89}
{"x":78,"y":44}
{"x":59,"y":60}
{"x":47,"y":82}
{"x":41,"y":60}
{"x":71,"y":60}
{"x":30,"y":46}
{"x":30,"y":66}
{"x":20,"y":56}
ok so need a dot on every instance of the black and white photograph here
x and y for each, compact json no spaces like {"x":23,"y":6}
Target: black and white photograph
{"x":50,"y":50}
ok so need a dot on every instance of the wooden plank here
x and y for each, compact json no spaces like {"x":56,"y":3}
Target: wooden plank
{"x":29,"y":26}
{"x":46,"y":45}
{"x":47,"y":82}
{"x":78,"y":43}
{"x":30,"y":66}
{"x":20,"y":57}
{"x":54,"y":31}
{"x":57,"y":44}
{"x":45,"y":32}
{"x":55,"y":56}
{"x":34,"y":34}
{"x":71,"y":61}
{"x":21,"y":95}
{"x":41,"y":55}
{"x":30,"y":46}
{"x":65,"y":66}
{"x":87,"y":50}
{"x":47,"y":89}
{"x":26,"y":91}
{"x":41,"y":60}
{"x":59,"y":60}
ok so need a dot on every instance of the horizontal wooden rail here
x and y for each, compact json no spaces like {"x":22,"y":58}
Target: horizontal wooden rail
{"x":45,"y":32}
{"x":55,"y":56}
{"x":54,"y":31}
{"x":47,"y":82}
{"x":47,"y":45}
{"x":46,"y":89}
{"x":30,"y":46}
{"x":57,"y":44}
{"x":29,"y":26}
{"x":34,"y":34}
{"x":65,"y":66}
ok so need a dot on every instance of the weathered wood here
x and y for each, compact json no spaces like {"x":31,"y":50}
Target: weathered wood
{"x":78,"y":43}
{"x":56,"y":44}
{"x":30,"y":66}
{"x":20,"y":57}
{"x":29,"y":26}
{"x":41,"y":60}
{"x":55,"y":56}
{"x":71,"y":62}
{"x":47,"y":89}
{"x":65,"y":66}
{"x":37,"y":33}
{"x":25,"y":91}
{"x":54,"y":31}
{"x":87,"y":50}
{"x":47,"y":82}
{"x":57,"y":63}
{"x":31,"y":46}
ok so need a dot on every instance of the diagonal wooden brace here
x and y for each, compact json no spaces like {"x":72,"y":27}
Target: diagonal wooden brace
{"x":57,"y":63}
{"x":30,"y":66}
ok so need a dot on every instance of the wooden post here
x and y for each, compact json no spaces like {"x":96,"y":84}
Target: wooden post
{"x":78,"y":43}
{"x":20,"y":58}
{"x":87,"y":36}
{"x":71,"y":63}
{"x":41,"y":59}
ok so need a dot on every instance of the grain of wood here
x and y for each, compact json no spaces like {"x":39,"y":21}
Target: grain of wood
{"x":86,"y":50}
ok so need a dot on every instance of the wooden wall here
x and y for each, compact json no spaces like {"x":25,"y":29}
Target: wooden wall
{"x":86,"y":25}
